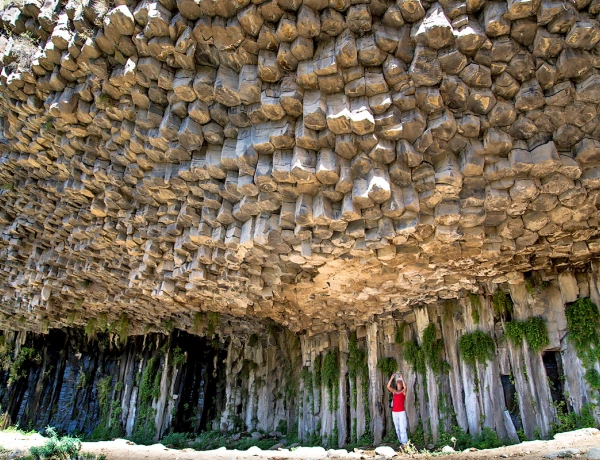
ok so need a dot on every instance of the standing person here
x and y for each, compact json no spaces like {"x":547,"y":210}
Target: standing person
{"x":398,"y":412}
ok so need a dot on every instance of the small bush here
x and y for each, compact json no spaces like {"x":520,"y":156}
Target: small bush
{"x":176,"y":440}
{"x":487,"y":439}
{"x":56,"y":448}
{"x":572,"y":421}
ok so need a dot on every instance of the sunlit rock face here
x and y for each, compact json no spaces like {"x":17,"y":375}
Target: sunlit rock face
{"x":316,"y":163}
{"x":317,"y":192}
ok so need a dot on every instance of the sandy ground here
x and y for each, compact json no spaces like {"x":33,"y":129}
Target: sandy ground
{"x":582,"y":440}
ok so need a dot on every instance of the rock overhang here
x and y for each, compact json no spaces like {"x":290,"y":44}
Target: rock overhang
{"x":315,"y":164}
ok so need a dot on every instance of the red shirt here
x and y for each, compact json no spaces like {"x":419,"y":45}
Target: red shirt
{"x":398,"y":402}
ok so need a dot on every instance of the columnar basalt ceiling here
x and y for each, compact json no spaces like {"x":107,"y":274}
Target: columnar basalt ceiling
{"x":311,"y":162}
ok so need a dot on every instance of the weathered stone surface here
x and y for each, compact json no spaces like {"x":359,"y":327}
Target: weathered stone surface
{"x":313,"y":163}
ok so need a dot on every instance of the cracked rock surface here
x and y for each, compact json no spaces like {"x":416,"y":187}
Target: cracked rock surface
{"x":312,"y":162}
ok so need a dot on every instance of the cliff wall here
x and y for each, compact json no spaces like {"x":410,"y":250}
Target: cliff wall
{"x":464,"y":366}
{"x":293,"y":185}
{"x":312,"y":163}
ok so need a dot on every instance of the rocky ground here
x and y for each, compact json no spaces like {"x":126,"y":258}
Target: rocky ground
{"x":584,"y":443}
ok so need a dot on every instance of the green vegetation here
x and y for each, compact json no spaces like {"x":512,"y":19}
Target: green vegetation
{"x":330,"y":375}
{"x":213,"y":322}
{"x":17,"y":367}
{"x":432,"y":349}
{"x":413,"y":354}
{"x":169,"y":326}
{"x":144,"y":429}
{"x":122,"y":328}
{"x":357,"y":367}
{"x":56,"y":448}
{"x":532,"y":329}
{"x":460,"y":440}
{"x":387,"y":366}
{"x":476,"y":347}
{"x":503,"y":304}
{"x":209,"y":440}
{"x":177,"y":440}
{"x":399,"y":339}
{"x":592,"y":377}
{"x":179,"y":356}
{"x":429,"y":354}
{"x":198,"y":322}
{"x":583,"y":323}
{"x":475,"y":306}
{"x":572,"y":421}
{"x":110,"y":412}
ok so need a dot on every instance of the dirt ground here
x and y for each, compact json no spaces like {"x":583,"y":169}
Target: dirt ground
{"x":582,"y":440}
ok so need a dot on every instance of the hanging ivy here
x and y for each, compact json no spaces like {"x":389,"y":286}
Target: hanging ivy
{"x":476,"y":347}
{"x":583,"y":322}
{"x":400,"y":333}
{"x":533,"y":330}
{"x":316,"y":374}
{"x":536,"y":333}
{"x":475,"y":306}
{"x":330,"y":374}
{"x":503,"y":304}
{"x":387,"y":366}
{"x":357,"y":359}
{"x":432,"y":349}
{"x":413,"y":354}
{"x":514,"y":331}
{"x":357,"y":367}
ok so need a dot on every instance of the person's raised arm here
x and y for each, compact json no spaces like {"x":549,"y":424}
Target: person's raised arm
{"x":403,"y":390}
{"x":389,"y":384}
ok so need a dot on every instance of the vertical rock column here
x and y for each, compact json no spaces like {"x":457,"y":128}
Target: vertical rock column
{"x":342,"y":413}
{"x":490,"y":387}
{"x":429,"y":401}
{"x":375,"y":384}
{"x":450,"y":336}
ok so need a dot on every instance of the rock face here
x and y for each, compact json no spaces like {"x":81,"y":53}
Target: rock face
{"x":332,"y":168}
{"x":327,"y":387}
{"x":314,"y":163}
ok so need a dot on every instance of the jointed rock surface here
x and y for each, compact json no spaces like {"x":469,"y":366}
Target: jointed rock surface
{"x":312,"y":162}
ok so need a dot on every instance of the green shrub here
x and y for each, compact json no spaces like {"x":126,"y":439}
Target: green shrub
{"x":487,"y":439}
{"x":179,"y":356}
{"x":572,"y":421}
{"x":475,"y":306}
{"x":209,"y":440}
{"x":213,"y":322}
{"x":476,"y":347}
{"x":17,"y":367}
{"x":592,"y":377}
{"x":56,"y":448}
{"x":176,"y":440}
